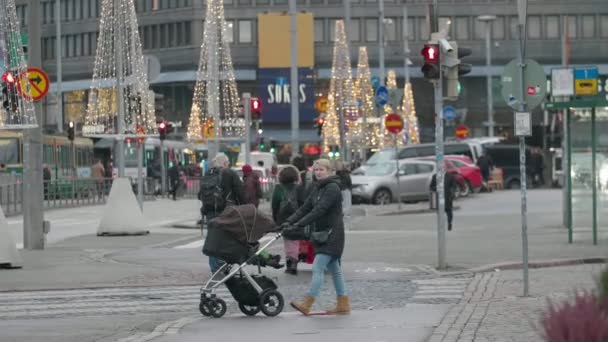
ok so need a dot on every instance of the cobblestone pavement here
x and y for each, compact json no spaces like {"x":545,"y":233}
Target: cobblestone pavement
{"x":365,"y":294}
{"x":493,"y":309}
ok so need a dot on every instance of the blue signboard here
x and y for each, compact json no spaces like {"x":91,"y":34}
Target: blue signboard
{"x":274,"y":92}
{"x":449,"y":113}
{"x":375,"y":81}
{"x":382,"y":96}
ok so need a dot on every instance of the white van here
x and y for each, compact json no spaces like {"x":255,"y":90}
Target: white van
{"x":266,"y":160}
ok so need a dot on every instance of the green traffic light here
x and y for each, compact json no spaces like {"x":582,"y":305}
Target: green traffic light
{"x":459,"y":88}
{"x":330,"y":154}
{"x":262,"y":147}
{"x":272,"y":150}
{"x":170,"y":164}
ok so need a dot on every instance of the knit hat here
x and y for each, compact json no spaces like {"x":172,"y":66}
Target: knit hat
{"x":247,"y":169}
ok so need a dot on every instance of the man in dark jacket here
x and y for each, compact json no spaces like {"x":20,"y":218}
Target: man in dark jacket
{"x":174,"y":179}
{"x":322,"y":211}
{"x":231,"y":190}
{"x":485,"y":165}
{"x":448,"y":187}
{"x":253,"y":188}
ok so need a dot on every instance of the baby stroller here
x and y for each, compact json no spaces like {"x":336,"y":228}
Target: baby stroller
{"x":233,"y":238}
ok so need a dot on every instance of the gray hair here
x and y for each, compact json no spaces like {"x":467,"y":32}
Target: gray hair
{"x":220,"y":160}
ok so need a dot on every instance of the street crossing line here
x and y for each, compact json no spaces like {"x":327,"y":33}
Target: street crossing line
{"x":107,"y":301}
{"x":439,"y":291}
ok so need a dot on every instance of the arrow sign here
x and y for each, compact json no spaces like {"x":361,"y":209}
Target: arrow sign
{"x":449,"y":113}
{"x":382,"y":96}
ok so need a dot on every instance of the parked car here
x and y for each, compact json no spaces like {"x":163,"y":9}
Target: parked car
{"x":462,"y":190}
{"x":417,"y":151}
{"x":468,"y":170}
{"x":506,"y":157}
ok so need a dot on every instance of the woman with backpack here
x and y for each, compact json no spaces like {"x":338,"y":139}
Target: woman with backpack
{"x":284,"y":204}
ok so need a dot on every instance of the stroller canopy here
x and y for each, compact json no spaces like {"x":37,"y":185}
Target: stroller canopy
{"x":244,"y":222}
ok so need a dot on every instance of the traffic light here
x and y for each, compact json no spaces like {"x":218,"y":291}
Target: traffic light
{"x":71,"y":131}
{"x":319,"y":124}
{"x":262,"y":144}
{"x":273,"y":146}
{"x":256,"y":109}
{"x":455,"y":68}
{"x":9,"y":92}
{"x":431,"y":56}
{"x":162,"y":130}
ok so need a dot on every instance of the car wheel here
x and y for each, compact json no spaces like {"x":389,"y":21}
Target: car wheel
{"x":382,"y":196}
{"x":514,"y":184}
{"x":467,"y":189}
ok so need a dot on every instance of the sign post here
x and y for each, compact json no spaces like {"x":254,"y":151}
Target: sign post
{"x":394,"y":125}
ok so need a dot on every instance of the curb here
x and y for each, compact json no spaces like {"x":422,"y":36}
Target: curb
{"x":537,"y":264}
{"x":411,"y":212}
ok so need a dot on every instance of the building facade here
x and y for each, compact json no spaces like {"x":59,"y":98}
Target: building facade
{"x":172,"y":30}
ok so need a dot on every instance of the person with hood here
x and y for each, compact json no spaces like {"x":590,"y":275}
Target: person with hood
{"x":253,"y":187}
{"x":284,"y":204}
{"x":322,"y":211}
{"x":449,"y":183}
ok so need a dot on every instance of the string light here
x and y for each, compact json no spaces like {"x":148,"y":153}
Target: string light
{"x":19,"y":112}
{"x":119,"y":44}
{"x":341,"y":91}
{"x":409,"y":114}
{"x":367,"y":134}
{"x":215,"y":93}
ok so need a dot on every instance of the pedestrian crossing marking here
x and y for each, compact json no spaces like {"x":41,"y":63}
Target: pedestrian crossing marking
{"x":440,"y":290}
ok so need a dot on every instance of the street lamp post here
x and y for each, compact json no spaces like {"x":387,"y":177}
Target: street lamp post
{"x":488,"y":19}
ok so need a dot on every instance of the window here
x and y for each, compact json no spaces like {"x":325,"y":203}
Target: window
{"x":408,"y":169}
{"x":513,"y":27}
{"x":245,"y":34}
{"x":552,"y":27}
{"x":154,"y":37}
{"x":78,"y":45}
{"x":407,"y":153}
{"x":86,"y":47}
{"x":410,"y":28}
{"x":534,"y":27}
{"x":229,"y":31}
{"x":187,"y":33}
{"x":355,"y":30}
{"x":78,"y":10}
{"x":572,"y":30}
{"x":371,"y":30}
{"x":45,"y":12}
{"x":480,"y":29}
{"x":604,"y":25}
{"x":171,"y":35}
{"x":320,"y":30}
{"x":390,"y":29}
{"x":588,"y":26}
{"x":163,"y":36}
{"x":179,"y":28}
{"x":498,"y":28}
{"x":462,"y":28}
{"x":424,"y":28}
{"x":424,"y":168}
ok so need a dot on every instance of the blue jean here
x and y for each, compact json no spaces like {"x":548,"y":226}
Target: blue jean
{"x":327,"y":262}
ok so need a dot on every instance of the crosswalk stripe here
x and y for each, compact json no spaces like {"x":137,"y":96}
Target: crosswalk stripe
{"x":439,"y":290}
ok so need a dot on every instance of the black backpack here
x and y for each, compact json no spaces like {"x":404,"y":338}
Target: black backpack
{"x":289,"y":203}
{"x":211,"y":193}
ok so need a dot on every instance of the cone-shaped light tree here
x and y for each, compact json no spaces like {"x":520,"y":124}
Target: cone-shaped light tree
{"x":215,"y":102}
{"x":367,"y":129}
{"x":410,"y":119}
{"x":341,"y":91}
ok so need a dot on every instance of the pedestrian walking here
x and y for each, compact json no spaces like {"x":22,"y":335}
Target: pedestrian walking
{"x":485,"y":165}
{"x":538,"y":166}
{"x":174,"y":179}
{"x":323,"y":212}
{"x":253,"y":187}
{"x":284,"y":204}
{"x":449,"y":183}
{"x":97,"y":173}
{"x":220,"y":187}
{"x":307,"y":181}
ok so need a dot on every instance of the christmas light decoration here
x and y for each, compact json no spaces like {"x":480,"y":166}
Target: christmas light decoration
{"x":120,"y":81}
{"x":366,"y":132}
{"x":410,"y":119}
{"x":341,"y":91}
{"x":16,"y":110}
{"x":215,"y":94}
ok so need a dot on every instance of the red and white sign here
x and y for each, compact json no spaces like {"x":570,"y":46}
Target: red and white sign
{"x":531,"y":90}
{"x":462,"y":132}
{"x":393,"y":123}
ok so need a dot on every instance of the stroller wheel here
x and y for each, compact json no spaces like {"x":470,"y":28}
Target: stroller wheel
{"x":249,"y":310}
{"x":204,"y":309}
{"x":271,"y":302}
{"x":217,"y":307}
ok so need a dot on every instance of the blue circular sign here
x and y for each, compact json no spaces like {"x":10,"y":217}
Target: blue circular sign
{"x":375,"y":81}
{"x":382,"y":96}
{"x":449,"y":113}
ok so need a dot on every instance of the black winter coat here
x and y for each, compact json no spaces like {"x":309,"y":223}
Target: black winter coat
{"x":323,"y":211}
{"x":449,"y":183}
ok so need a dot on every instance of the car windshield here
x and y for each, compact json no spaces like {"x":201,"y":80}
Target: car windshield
{"x":382,"y":169}
{"x":381,"y":157}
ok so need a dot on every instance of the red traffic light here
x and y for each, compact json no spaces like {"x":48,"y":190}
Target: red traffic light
{"x":320,"y":121}
{"x":430,"y":52}
{"x":162,"y":125}
{"x":8,"y":77}
{"x":255,"y":104}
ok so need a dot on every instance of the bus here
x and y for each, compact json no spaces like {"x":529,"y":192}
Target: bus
{"x":56,"y":154}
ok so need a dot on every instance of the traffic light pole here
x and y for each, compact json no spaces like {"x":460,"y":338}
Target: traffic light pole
{"x":439,"y":178}
{"x":140,"y":170}
{"x":33,"y":196}
{"x":163,"y":169}
{"x":295,"y":98}
{"x":247,"y":113}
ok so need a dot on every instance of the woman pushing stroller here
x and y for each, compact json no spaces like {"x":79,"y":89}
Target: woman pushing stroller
{"x":322,"y":211}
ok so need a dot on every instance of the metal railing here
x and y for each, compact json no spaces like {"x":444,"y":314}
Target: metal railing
{"x":67,"y":193}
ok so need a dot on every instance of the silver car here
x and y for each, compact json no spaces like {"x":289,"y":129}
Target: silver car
{"x":379,"y":183}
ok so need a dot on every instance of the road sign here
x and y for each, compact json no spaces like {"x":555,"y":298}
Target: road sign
{"x":395,"y":96}
{"x":523,"y":124}
{"x":462,"y":132}
{"x":393,"y":123}
{"x":375,"y":81}
{"x":535,"y":84}
{"x":382,"y":96}
{"x":34,"y":83}
{"x":585,"y":81}
{"x":562,"y":82}
{"x":449,"y":113}
{"x":321,"y":105}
